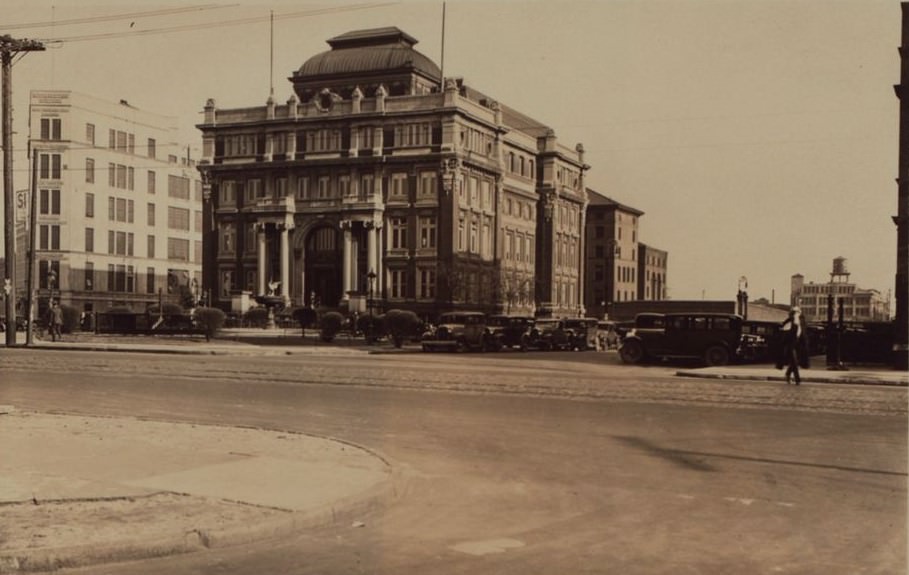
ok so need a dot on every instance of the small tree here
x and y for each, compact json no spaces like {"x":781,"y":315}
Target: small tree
{"x":371,"y":326}
{"x":306,"y":317}
{"x":70,"y":318}
{"x":256,"y":317}
{"x":210,"y":319}
{"x":330,"y":324}
{"x":401,"y":324}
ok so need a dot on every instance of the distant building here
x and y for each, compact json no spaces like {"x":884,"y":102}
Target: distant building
{"x":652,"y":266}
{"x":380,"y":182}
{"x":859,"y":305}
{"x":619,"y":267}
{"x":119,"y":214}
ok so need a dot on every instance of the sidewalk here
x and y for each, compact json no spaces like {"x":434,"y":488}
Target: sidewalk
{"x":233,"y":341}
{"x":857,"y":375}
{"x":78,"y":491}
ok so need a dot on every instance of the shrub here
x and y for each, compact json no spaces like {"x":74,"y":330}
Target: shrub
{"x":70,"y":318}
{"x":305,"y":316}
{"x":209,"y":319}
{"x":401,"y":324}
{"x":256,"y":317}
{"x":330,"y":324}
{"x":371,"y":325}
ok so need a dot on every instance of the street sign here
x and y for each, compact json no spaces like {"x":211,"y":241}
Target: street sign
{"x":22,"y":204}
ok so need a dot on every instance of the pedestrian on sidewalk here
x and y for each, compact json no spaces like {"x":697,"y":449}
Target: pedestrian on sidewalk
{"x":795,"y":346}
{"x":55,"y":321}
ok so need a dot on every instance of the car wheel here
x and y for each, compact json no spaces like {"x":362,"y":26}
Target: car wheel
{"x":523,"y":346}
{"x":716,"y":355}
{"x":632,"y":352}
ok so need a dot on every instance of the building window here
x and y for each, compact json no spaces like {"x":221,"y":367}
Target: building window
{"x":427,"y":185}
{"x":89,"y":171}
{"x":461,"y":233}
{"x":398,"y":283}
{"x":366,"y":186}
{"x":177,"y":218}
{"x":197,"y":221}
{"x":398,"y":189}
{"x":416,"y":134}
{"x":178,"y":249}
{"x":150,"y":251}
{"x":49,"y":202}
{"x":45,"y":269}
{"x":254,"y":190}
{"x":344,"y":186}
{"x":228,"y":237}
{"x":427,"y":232}
{"x":49,"y":237}
{"x":427,"y":285}
{"x":227,"y":194}
{"x":89,"y":276}
{"x":152,"y":182}
{"x":89,"y":205}
{"x":150,"y":280}
{"x":89,"y":240}
{"x":50,"y":128}
{"x":474,"y":236}
{"x":324,"y":187}
{"x":249,"y":238}
{"x":398,"y":230}
{"x":49,"y":166}
{"x":178,"y":187}
{"x":90,"y":134}
{"x":303,"y":187}
{"x":152,"y":148}
{"x":151,"y":214}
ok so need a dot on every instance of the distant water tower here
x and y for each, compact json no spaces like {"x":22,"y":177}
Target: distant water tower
{"x":840,"y":273}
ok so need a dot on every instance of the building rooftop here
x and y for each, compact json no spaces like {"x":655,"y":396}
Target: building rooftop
{"x":369,"y":51}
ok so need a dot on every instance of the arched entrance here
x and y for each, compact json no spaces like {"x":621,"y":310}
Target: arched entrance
{"x":321,"y":267}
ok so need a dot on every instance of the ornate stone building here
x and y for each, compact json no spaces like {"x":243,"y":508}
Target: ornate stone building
{"x":380,"y":181}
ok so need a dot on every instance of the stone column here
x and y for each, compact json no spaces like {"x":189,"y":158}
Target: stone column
{"x":285,"y":263}
{"x":372,"y":248}
{"x":262,"y":259}
{"x":348,"y":258}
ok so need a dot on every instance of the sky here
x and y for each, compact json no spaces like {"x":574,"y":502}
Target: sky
{"x":759,"y":137}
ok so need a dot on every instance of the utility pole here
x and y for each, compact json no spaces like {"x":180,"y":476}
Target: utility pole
{"x":9,"y":48}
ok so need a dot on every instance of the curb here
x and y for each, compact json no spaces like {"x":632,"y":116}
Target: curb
{"x":345,"y":509}
{"x":842,"y":379}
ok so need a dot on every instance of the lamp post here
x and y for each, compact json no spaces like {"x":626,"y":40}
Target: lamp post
{"x":194,"y":287}
{"x":743,"y":297}
{"x":371,"y":286}
{"x":51,"y":281}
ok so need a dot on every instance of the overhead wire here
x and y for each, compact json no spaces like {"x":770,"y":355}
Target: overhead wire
{"x":115,"y":17}
{"x":217,"y":24}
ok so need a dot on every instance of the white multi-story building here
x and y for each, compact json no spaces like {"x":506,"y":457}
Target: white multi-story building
{"x":859,"y":305}
{"x":119,"y":216}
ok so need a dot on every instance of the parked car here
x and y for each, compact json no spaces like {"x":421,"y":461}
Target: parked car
{"x":509,"y":331}
{"x":459,"y":331}
{"x":549,"y":334}
{"x":582,"y":333}
{"x":608,"y":335}
{"x":712,"y":337}
{"x":761,"y":341}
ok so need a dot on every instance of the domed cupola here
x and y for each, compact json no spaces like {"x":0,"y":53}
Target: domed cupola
{"x":368,"y":59}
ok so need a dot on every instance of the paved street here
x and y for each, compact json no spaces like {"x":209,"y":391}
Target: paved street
{"x":535,"y":463}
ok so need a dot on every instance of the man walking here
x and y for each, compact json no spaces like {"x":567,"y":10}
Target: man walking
{"x":55,"y":322}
